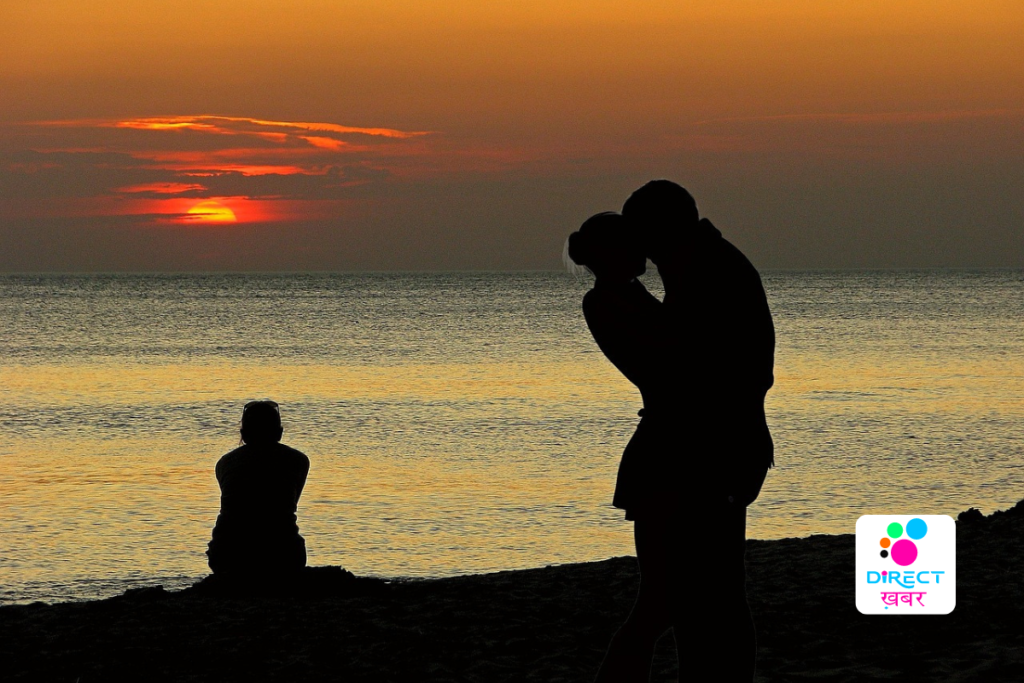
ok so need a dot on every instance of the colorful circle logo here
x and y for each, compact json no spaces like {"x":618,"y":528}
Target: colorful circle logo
{"x":904,"y":550}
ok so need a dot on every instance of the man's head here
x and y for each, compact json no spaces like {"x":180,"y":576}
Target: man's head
{"x":261,"y":422}
{"x":661,"y":212}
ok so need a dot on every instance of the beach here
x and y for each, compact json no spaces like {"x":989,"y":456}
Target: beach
{"x":546,"y":624}
{"x":459,"y":253}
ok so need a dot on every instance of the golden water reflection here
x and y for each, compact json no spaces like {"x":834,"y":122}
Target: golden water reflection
{"x":439,"y":469}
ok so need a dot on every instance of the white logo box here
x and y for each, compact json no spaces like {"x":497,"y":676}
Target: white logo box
{"x":925,"y":585}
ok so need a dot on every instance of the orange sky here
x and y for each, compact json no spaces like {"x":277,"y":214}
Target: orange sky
{"x":816,"y":134}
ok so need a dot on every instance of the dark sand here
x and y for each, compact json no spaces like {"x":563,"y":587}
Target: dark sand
{"x":548,"y":625}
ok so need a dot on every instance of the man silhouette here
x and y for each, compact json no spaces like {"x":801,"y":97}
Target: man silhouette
{"x":721,"y":360}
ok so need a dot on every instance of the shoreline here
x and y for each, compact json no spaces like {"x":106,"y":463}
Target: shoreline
{"x":544,"y":624}
{"x":174,"y":585}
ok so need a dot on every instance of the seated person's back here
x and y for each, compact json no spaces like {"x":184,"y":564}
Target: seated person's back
{"x":260,"y":483}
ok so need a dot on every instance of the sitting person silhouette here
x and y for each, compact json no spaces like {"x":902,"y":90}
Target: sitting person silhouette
{"x":256,"y":536}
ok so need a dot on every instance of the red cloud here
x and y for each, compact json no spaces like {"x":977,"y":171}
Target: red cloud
{"x":240,"y":125}
{"x":245,"y":163}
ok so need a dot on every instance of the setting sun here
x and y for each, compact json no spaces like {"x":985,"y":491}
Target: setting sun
{"x":211,"y":212}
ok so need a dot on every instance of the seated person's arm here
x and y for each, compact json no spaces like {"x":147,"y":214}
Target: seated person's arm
{"x":301,"y":474}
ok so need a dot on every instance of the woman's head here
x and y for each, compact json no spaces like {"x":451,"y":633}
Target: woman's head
{"x":604,"y":246}
{"x":261,"y":422}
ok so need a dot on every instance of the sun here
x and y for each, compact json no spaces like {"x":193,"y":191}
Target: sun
{"x":211,"y":212}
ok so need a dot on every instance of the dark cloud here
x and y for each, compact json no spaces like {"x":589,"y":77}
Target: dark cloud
{"x":27,"y":174}
{"x":334,"y":183}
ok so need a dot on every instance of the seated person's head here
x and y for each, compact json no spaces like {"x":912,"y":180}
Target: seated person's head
{"x":261,"y":422}
{"x":605,"y":246}
{"x":660,"y":211}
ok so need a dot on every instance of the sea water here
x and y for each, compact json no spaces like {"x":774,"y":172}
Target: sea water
{"x":462,"y":422}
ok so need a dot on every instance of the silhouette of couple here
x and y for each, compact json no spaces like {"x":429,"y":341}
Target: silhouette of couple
{"x":702,"y":360}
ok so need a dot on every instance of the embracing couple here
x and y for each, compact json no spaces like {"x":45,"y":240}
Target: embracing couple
{"x":702,"y":360}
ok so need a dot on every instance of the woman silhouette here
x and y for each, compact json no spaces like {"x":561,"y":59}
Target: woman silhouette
{"x":627,"y":324}
{"x":256,"y":536}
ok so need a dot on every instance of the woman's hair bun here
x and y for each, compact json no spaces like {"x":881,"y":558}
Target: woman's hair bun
{"x":579,"y":248}
{"x":598,"y":234}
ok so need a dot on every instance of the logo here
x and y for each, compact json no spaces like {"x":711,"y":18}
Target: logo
{"x":906,"y":564}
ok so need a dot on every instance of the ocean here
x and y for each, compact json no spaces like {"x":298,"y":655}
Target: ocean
{"x":462,"y":422}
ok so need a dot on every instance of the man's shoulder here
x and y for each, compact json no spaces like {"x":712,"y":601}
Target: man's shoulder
{"x":733,"y":255}
{"x":729,"y":262}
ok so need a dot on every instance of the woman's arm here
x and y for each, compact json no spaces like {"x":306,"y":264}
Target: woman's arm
{"x":631,"y":332}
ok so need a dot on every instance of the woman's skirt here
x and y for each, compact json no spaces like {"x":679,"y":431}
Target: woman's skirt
{"x":672,"y":463}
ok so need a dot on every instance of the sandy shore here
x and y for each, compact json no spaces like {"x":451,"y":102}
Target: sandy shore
{"x":549,"y":624}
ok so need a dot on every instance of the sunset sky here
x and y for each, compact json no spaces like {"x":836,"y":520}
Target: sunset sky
{"x":423,"y":135}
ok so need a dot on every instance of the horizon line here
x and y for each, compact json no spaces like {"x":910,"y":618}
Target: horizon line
{"x":425,"y":271}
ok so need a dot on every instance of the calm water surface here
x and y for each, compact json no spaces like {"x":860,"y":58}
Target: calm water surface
{"x":462,"y":423}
